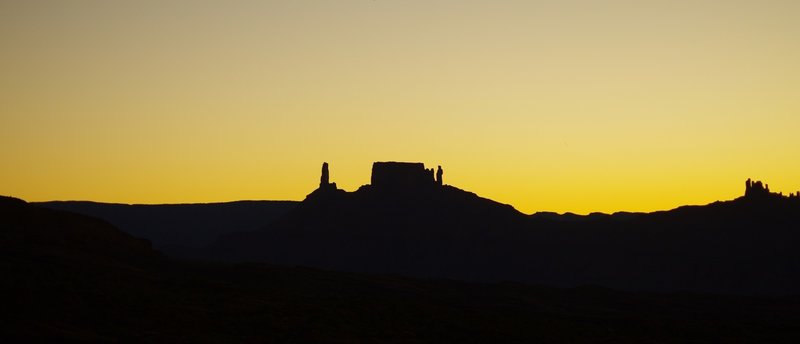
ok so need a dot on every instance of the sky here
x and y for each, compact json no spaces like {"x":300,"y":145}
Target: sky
{"x":567,"y":106}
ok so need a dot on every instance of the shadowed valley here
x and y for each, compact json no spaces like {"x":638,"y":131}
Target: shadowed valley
{"x":179,"y":230}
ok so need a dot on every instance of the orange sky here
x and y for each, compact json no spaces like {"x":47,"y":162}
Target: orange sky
{"x":546,"y":105}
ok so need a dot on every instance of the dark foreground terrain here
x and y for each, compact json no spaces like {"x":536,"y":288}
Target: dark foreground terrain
{"x":70,"y":276}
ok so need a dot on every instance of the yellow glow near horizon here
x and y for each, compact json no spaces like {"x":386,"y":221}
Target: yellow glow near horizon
{"x":561,"y":106}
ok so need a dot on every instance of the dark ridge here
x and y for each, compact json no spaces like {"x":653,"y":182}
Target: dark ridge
{"x":407,"y":224}
{"x":6,"y":201}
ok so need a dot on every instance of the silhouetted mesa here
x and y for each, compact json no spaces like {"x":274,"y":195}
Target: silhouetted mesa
{"x":403,"y":175}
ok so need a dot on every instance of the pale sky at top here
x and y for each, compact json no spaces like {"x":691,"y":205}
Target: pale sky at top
{"x":546,"y":105}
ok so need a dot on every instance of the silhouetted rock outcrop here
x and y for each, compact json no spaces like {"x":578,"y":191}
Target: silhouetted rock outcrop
{"x":439,"y":173}
{"x":324,"y":179}
{"x":756,"y":190}
{"x":401,"y":176}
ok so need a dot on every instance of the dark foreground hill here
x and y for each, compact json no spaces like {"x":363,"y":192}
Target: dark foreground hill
{"x":71,"y":277}
{"x":179,"y":229}
{"x":407,"y":223}
{"x":31,"y":232}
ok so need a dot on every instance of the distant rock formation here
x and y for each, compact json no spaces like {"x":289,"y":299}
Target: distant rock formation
{"x":439,"y":173}
{"x":755,"y":189}
{"x":400,"y":175}
{"x":759,"y":190}
{"x":404,"y":175}
{"x":324,"y":179}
